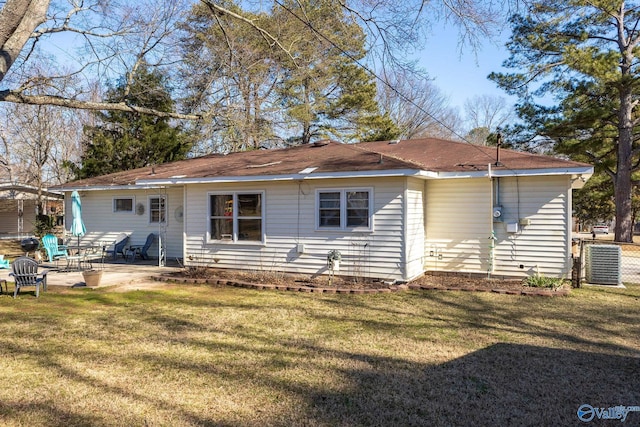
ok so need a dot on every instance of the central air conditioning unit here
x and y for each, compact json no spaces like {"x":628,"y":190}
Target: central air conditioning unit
{"x":603,"y":264}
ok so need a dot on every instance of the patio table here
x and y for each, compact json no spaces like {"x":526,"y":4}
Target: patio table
{"x":82,"y":254}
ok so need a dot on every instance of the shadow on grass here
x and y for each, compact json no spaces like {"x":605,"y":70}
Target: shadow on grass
{"x":504,"y":384}
{"x":267,"y":343}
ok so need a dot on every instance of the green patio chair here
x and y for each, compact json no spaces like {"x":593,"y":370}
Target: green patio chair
{"x":54,"y":251}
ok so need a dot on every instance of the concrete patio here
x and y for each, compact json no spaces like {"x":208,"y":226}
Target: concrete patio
{"x":115,"y":273}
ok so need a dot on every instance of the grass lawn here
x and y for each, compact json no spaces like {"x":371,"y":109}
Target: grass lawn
{"x":199,"y":355}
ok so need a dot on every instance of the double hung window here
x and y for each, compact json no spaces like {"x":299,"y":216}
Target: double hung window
{"x":236,"y":216}
{"x":157,"y":209}
{"x":344,"y":209}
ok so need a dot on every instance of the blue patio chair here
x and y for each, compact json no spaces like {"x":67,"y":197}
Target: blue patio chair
{"x":118,"y":246}
{"x":25,"y":273}
{"x":4,"y":263}
{"x":54,"y":251}
{"x":141,"y":250}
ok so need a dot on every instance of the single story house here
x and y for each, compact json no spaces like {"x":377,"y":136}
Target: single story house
{"x":19,"y":208}
{"x":392,"y":209}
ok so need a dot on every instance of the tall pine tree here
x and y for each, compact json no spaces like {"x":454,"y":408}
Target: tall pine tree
{"x":584,"y":55}
{"x":123,"y":140}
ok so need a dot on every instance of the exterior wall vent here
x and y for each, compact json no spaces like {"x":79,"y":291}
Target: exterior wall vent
{"x":603,"y":264}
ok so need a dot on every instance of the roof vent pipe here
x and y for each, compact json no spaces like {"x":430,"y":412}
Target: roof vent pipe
{"x":498,"y":145}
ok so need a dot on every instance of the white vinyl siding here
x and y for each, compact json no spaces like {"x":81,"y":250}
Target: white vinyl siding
{"x":458,"y":225}
{"x":9,"y":216}
{"x":415,"y":227}
{"x":544,"y":245}
{"x":290,"y":219}
{"x":103,"y":226}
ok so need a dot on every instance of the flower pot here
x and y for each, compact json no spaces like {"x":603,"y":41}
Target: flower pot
{"x":92,"y":278}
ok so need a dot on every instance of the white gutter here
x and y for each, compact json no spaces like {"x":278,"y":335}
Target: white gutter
{"x":585,"y":170}
{"x":110,"y":187}
{"x":287,"y":177}
{"x":372,"y":174}
{"x":152,"y":183}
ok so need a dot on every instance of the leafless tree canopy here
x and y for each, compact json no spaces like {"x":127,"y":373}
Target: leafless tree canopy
{"x":485,"y":114}
{"x":110,"y":37}
{"x":417,"y":106}
{"x":116,"y":35}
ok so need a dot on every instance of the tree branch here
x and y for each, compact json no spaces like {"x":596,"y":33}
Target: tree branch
{"x":272,"y":39}
{"x":20,"y":98}
{"x":17,"y":21}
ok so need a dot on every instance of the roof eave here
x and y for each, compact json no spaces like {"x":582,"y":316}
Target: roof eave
{"x":585,"y":171}
{"x":107,"y":187}
{"x":284,"y":177}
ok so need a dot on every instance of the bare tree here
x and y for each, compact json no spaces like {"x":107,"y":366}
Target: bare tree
{"x":485,"y":114}
{"x":37,"y":140}
{"x":394,"y":28}
{"x":228,"y":68}
{"x":115,"y":37}
{"x":417,"y":106}
{"x":118,"y":34}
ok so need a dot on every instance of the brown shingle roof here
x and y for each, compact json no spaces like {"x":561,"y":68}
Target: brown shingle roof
{"x":440,"y":155}
{"x":427,"y":154}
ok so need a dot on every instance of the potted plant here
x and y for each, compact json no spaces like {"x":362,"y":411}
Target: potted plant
{"x":92,"y":277}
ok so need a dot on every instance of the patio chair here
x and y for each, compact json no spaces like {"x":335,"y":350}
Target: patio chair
{"x":141,"y":250}
{"x":25,"y":273}
{"x":4,"y":263}
{"x":118,"y":246}
{"x":54,"y":251}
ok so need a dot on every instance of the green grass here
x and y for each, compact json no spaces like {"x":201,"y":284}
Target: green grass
{"x":198,"y":355}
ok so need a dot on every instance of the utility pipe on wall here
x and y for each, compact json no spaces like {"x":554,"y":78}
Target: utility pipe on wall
{"x":492,"y":235}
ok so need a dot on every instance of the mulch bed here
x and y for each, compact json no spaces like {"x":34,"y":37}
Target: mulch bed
{"x":342,"y":285}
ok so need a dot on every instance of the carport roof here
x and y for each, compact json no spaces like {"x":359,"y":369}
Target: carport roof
{"x":426,"y":157}
{"x":29,"y":189}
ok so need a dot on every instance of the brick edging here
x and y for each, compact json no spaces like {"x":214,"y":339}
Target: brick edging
{"x":394,"y":288}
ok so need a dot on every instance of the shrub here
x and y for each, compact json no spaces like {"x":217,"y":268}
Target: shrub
{"x":540,"y":281}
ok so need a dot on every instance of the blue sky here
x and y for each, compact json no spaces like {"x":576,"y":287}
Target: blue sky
{"x":460,"y":75}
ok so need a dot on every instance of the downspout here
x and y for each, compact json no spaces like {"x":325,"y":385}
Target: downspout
{"x":405,"y":232}
{"x":492,"y":235}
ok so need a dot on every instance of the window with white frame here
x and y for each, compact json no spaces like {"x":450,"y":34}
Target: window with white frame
{"x":236,"y":216}
{"x":157,"y":209}
{"x":344,"y":209}
{"x":123,"y":204}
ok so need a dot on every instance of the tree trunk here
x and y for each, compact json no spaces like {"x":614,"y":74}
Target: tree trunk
{"x":622,"y":185}
{"x":18,"y":20}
